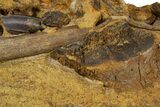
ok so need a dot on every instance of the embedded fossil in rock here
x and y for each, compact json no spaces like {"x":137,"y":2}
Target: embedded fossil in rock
{"x":119,"y":50}
{"x":137,"y":24}
{"x":116,"y":54}
{"x":15,"y":24}
{"x":15,"y":47}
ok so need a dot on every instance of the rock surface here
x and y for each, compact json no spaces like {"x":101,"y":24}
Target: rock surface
{"x":112,"y":54}
{"x":156,"y":9}
{"x":55,"y":19}
{"x":20,"y":6}
{"x":143,"y":14}
{"x":115,"y":65}
{"x":157,"y":22}
{"x":115,"y":7}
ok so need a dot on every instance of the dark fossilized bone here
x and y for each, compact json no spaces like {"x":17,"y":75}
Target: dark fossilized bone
{"x":33,"y":44}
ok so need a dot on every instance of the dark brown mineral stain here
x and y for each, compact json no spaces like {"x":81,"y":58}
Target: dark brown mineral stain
{"x":1,"y":30}
{"x":156,"y":9}
{"x":117,"y":42}
{"x":3,"y":12}
{"x":55,"y":19}
{"x":100,"y":21}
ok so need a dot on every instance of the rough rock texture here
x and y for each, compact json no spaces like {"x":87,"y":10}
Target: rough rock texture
{"x":96,"y":4}
{"x":77,"y":8}
{"x":156,"y":9}
{"x":96,"y":10}
{"x":157,"y":22}
{"x":143,"y":14}
{"x":55,"y":19}
{"x":19,"y":6}
{"x":35,"y":82}
{"x":112,"y":58}
{"x":86,"y":13}
{"x":117,"y":53}
{"x":115,"y":7}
